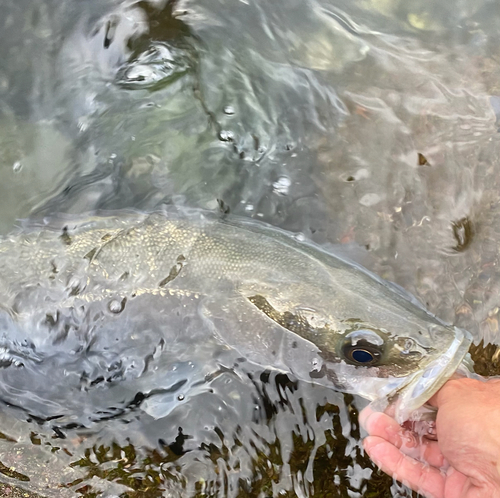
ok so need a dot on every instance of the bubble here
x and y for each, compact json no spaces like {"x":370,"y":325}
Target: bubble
{"x":83,"y":124}
{"x":226,"y":136}
{"x":282,"y":185}
{"x":180,"y":397}
{"x":116,"y":306}
{"x":370,"y":200}
{"x":4,"y":82}
{"x":229,"y":110}
{"x":158,"y":65}
{"x":142,"y":73}
{"x":17,"y":167}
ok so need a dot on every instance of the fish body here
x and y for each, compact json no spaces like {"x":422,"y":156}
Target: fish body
{"x":280,"y":301}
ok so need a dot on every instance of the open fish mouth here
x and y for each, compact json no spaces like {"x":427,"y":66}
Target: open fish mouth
{"x":426,"y":382}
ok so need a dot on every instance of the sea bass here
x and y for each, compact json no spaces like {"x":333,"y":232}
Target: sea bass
{"x":279,"y":301}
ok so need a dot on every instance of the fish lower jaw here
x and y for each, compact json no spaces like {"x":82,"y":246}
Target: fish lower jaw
{"x":425,"y":383}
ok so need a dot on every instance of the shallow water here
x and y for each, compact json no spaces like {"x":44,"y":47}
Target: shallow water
{"x":370,"y":124}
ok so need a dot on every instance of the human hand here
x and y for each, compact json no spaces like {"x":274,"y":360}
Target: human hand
{"x":464,"y":462}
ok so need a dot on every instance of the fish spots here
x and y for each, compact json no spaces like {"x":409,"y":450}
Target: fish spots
{"x":422,"y":160}
{"x":293,"y":322}
{"x":75,"y":290}
{"x":11,"y":472}
{"x":106,"y":237}
{"x":463,"y":231}
{"x":174,"y":271}
{"x":91,"y":254}
{"x":65,"y":237}
{"x":53,"y":270}
{"x":223,"y":207}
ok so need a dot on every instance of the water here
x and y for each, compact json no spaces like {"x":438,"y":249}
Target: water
{"x":372,"y":124}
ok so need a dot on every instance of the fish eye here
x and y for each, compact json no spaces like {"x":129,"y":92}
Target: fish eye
{"x":362,"y":347}
{"x":362,"y":356}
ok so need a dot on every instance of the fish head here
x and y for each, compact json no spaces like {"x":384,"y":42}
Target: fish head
{"x":385,"y":346}
{"x":374,"y":340}
{"x":397,"y":369}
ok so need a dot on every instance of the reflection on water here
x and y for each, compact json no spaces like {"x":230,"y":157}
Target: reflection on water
{"x":368,"y":123}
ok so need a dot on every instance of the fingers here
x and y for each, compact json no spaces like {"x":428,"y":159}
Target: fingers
{"x":382,"y":426}
{"x":420,"y":477}
{"x":458,"y":389}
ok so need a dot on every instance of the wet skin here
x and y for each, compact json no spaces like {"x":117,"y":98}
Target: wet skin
{"x":464,"y":460}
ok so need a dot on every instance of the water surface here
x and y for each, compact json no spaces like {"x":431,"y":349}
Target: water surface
{"x":369,"y":124}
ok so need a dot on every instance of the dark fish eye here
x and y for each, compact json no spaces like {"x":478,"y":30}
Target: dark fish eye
{"x":362,"y":347}
{"x":362,"y":356}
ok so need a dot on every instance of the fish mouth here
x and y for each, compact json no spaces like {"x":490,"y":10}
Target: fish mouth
{"x":425,"y":383}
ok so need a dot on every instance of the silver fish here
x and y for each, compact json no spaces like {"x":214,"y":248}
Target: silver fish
{"x":281,"y":302}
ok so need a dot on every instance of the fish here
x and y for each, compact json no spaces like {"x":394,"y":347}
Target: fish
{"x":280,"y":301}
